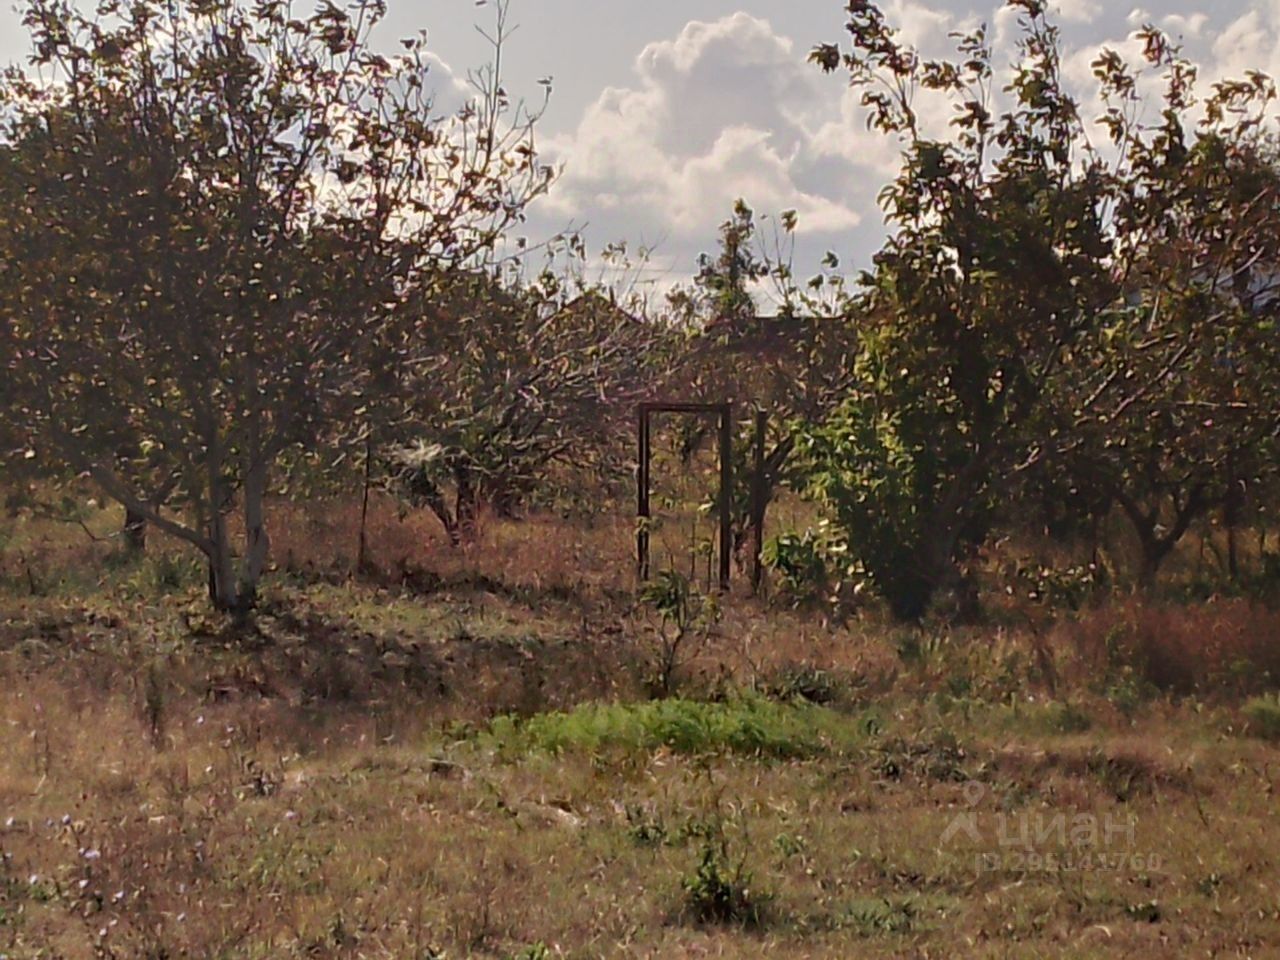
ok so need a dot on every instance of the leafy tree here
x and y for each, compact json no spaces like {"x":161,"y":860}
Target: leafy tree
{"x":997,"y":264}
{"x":220,"y":218}
{"x":794,"y":365}
{"x":1026,"y":264}
{"x":521,"y":379}
{"x":721,"y":296}
{"x":1171,"y":399}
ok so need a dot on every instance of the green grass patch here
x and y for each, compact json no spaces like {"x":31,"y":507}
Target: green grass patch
{"x":1263,"y":714}
{"x":748,"y":726}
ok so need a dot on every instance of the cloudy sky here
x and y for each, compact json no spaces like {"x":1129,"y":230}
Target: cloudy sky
{"x":665,"y":111}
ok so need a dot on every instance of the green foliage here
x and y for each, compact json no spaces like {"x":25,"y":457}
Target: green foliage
{"x":790,"y":845}
{"x":1148,"y":911}
{"x":189,"y":304}
{"x":795,"y":682}
{"x":801,"y":563}
{"x":1036,"y":299}
{"x":515,"y":379}
{"x":1067,"y":718}
{"x":685,"y":617}
{"x":879,"y":476}
{"x":536,"y":951}
{"x":168,"y":572}
{"x":748,"y":726}
{"x":719,"y":891}
{"x":883,"y":916}
{"x":1060,"y":588}
{"x":644,"y":829}
{"x":725,"y":281}
{"x":1263,"y":714}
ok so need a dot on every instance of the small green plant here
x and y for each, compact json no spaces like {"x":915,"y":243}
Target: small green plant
{"x":1127,"y":693}
{"x":790,"y":845}
{"x":1263,"y":715}
{"x":535,"y":951}
{"x":644,"y":828}
{"x":166,"y":573}
{"x":800,"y":682}
{"x":685,"y":618}
{"x":719,"y":890}
{"x":1067,"y":718}
{"x":1147,"y":912}
{"x":1208,"y":885}
{"x":800,"y":564}
{"x":882,"y":916}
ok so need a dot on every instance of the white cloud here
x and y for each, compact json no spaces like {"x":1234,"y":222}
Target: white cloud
{"x":1078,"y":11}
{"x":725,"y":109}
{"x":1251,"y":42}
{"x":1186,"y":26}
{"x":927,"y":28}
{"x":730,"y":108}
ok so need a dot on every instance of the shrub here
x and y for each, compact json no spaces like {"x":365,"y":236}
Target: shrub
{"x":747,"y":726}
{"x":685,"y":618}
{"x":800,"y":563}
{"x":719,"y":889}
{"x":800,"y":682}
{"x":1228,"y":645}
{"x":1263,"y":714}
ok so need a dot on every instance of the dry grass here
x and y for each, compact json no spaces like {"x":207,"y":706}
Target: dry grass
{"x":254,"y":829}
{"x":541,"y":552}
{"x":336,"y":781}
{"x":1229,"y":645}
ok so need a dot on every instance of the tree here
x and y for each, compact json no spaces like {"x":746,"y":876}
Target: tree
{"x":795,"y":365}
{"x":221,"y":217}
{"x":1170,"y":400}
{"x":522,"y":378}
{"x":999,"y":260}
{"x":1039,"y":297}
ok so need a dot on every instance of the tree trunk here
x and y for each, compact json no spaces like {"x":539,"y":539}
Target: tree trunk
{"x":425,"y":489}
{"x":466,"y":504}
{"x":257,"y":543}
{"x":1232,"y":504}
{"x":1154,"y":552}
{"x":223,"y":588}
{"x":362,"y":550}
{"x":223,"y":591}
{"x":1155,"y":547}
{"x":135,"y":531}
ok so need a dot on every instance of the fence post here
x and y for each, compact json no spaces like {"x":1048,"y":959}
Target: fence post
{"x":726,"y":494}
{"x":642,"y":493}
{"x":758,"y":503}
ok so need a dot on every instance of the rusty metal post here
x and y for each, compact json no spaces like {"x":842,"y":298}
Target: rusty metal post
{"x":642,"y":493}
{"x":726,"y":494}
{"x":759,"y":500}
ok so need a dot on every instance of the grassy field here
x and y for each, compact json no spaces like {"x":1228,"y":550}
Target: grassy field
{"x":464,"y":762}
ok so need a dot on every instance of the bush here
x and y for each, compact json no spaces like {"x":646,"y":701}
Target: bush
{"x":794,"y":682}
{"x":1228,"y":646}
{"x":1263,"y":715}
{"x":800,"y":563}
{"x":747,"y":726}
{"x":685,"y":619}
{"x":719,"y":889}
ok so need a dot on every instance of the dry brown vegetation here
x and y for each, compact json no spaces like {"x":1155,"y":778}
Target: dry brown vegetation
{"x":422,"y":762}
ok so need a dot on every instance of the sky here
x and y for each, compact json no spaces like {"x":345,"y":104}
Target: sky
{"x":664,"y":112}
